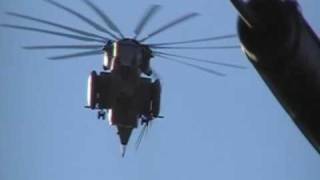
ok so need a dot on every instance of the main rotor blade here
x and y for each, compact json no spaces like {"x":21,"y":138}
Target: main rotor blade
{"x":170,"y":24}
{"x":195,"y":40}
{"x":51,"y":32}
{"x":55,"y":25}
{"x":63,"y":47}
{"x":192,"y":65}
{"x":80,"y":54}
{"x":104,"y":17}
{"x":83,"y":18}
{"x":201,"y":60}
{"x":201,"y":47}
{"x":145,"y":19}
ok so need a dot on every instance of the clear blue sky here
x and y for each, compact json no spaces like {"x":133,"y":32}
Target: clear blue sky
{"x":214,"y":128}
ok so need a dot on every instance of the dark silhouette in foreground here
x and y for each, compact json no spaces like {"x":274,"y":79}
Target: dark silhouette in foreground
{"x":286,"y":53}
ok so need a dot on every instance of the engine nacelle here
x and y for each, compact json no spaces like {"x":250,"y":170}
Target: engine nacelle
{"x":91,"y":90}
{"x":97,"y":93}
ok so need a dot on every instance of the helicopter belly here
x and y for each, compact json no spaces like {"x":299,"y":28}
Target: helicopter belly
{"x":124,"y":113}
{"x":128,"y":107}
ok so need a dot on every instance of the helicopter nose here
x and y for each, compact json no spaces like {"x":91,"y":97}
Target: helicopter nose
{"x":124,"y":134}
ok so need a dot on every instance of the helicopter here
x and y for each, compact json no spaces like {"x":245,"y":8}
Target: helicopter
{"x":127,"y":90}
{"x":285,"y":51}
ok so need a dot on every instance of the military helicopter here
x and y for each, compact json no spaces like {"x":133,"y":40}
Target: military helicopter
{"x":285,"y":51}
{"x":127,"y":89}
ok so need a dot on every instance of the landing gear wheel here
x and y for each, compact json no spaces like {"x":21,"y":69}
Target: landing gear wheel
{"x":101,"y":115}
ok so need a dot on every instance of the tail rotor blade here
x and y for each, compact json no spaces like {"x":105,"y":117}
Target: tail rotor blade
{"x":141,"y":135}
{"x":123,"y":150}
{"x":80,"y":54}
{"x":104,"y":17}
{"x":83,"y":18}
{"x":51,"y":33}
{"x":145,"y":19}
{"x":170,"y":25}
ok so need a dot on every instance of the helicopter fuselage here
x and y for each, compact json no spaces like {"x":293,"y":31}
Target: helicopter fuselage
{"x":127,"y":89}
